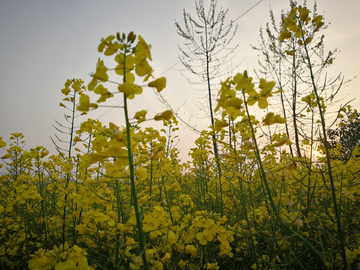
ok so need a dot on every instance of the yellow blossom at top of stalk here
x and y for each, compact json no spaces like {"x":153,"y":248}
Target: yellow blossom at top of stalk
{"x":295,"y":22}
{"x":78,"y":85}
{"x":111,"y":47}
{"x":142,"y":49}
{"x":304,"y":14}
{"x":265,"y":93}
{"x":66,"y":90}
{"x":242,"y":81}
{"x":99,"y":75}
{"x":142,"y":53}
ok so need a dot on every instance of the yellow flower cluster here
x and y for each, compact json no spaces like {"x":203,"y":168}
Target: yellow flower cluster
{"x":179,"y":206}
{"x":296,"y":21}
{"x":61,"y":258}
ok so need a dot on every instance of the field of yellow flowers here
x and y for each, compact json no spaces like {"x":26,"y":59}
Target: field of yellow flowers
{"x":128,"y":202}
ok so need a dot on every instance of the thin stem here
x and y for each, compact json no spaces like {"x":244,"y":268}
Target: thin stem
{"x":326,"y":145}
{"x":68,"y":178}
{"x":268,"y":191}
{"x":132,"y":179}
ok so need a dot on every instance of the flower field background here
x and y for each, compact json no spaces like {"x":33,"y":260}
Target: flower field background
{"x":119,"y":198}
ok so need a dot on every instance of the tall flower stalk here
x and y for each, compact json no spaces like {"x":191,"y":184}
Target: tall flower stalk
{"x":294,"y":24}
{"x":131,"y":59}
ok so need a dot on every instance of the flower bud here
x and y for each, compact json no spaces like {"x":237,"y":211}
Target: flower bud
{"x":245,"y":74}
{"x":131,"y":37}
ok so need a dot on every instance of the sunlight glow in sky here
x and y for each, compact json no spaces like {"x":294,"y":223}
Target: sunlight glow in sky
{"x":44,"y":43}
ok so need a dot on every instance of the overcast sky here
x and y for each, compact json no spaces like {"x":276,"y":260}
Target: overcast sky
{"x":44,"y":43}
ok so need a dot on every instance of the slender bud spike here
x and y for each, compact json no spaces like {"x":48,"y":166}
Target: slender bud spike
{"x":130,"y":36}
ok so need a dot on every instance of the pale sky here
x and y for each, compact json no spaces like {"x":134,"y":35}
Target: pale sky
{"x":44,"y":43}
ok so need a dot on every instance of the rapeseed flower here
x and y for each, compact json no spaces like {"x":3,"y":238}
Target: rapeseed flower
{"x":159,"y":84}
{"x":99,"y":75}
{"x":2,"y":143}
{"x":84,"y":104}
{"x":220,"y":124}
{"x":111,"y":47}
{"x":166,"y":115}
{"x":271,"y":119}
{"x":105,"y":94}
{"x":130,"y":89}
{"x":140,"y":116}
{"x":191,"y":249}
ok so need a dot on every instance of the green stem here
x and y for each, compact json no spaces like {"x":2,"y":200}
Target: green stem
{"x":68,"y":178}
{"x":118,"y":215}
{"x":326,"y":144}
{"x":42,"y":194}
{"x":132,"y":179}
{"x":287,"y":229}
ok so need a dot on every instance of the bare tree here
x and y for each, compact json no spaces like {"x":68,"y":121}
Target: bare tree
{"x":206,"y":50}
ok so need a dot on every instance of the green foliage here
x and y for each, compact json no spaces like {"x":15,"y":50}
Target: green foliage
{"x":346,"y":136}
